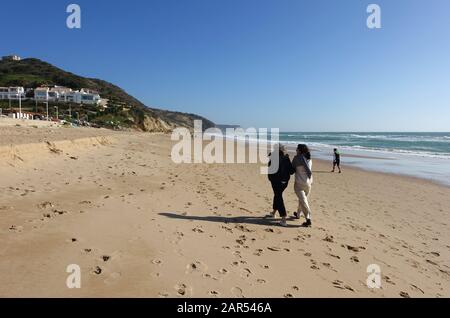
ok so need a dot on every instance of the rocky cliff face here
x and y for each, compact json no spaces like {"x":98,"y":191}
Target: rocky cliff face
{"x":156,"y":124}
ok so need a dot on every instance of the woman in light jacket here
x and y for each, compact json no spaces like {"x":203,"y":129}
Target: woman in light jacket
{"x":302,"y":165}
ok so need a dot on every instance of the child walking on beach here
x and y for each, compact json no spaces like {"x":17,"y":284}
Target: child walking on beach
{"x":337,"y":160}
{"x":302,"y":165}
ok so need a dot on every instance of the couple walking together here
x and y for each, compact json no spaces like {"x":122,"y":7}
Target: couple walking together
{"x":301,"y":166}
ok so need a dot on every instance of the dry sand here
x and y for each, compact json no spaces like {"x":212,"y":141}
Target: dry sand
{"x":139,"y":225}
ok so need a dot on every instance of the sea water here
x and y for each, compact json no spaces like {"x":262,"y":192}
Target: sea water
{"x":423,"y":155}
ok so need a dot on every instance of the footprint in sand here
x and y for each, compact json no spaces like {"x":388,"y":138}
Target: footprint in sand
{"x":245,"y":273}
{"x":335,"y":256}
{"x":16,"y":228}
{"x":59,"y":212}
{"x":198,"y":230}
{"x":258,"y":252}
{"x":243,"y":228}
{"x":388,"y":280}
{"x":261,"y":281}
{"x":163,"y":294}
{"x":340,"y":285}
{"x":214,"y":293}
{"x":237,"y":292}
{"x":179,"y":236}
{"x":183,"y":290}
{"x":45,"y":205}
{"x":226,"y":228}
{"x":354,"y":249}
{"x":237,"y":254}
{"x":157,"y":262}
{"x":414,"y":287}
{"x":404,"y":294}
{"x":196,"y":266}
{"x":223,"y":271}
{"x":354,"y":259}
{"x":209,"y":276}
{"x":435,"y":254}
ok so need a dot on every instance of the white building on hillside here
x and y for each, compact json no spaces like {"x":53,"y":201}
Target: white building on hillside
{"x":4,"y":92}
{"x":89,"y":97}
{"x":11,"y":58}
{"x":12,"y":93}
{"x":41,"y":94}
{"x":65,"y":95}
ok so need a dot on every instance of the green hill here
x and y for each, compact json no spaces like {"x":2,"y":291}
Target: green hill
{"x":122,"y":107}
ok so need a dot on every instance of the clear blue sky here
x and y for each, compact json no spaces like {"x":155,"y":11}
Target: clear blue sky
{"x":291,"y":64}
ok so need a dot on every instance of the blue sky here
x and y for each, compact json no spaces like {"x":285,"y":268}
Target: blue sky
{"x":290,"y":64}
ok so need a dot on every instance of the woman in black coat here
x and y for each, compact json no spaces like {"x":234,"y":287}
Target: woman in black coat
{"x":279,"y":181}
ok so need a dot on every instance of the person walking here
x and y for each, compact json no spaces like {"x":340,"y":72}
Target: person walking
{"x":279,"y":181}
{"x":336,"y":160}
{"x":302,"y":164}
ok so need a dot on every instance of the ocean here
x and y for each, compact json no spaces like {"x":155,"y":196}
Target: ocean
{"x":423,"y":155}
{"x":436,"y":145}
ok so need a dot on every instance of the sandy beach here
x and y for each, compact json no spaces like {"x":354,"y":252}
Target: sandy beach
{"x":139,"y":225}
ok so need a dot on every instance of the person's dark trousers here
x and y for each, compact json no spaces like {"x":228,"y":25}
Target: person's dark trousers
{"x":278,"y":202}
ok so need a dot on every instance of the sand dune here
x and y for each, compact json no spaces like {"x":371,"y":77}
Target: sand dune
{"x":139,"y":225}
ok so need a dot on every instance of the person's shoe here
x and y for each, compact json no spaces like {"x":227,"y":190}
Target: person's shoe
{"x":307,"y":223}
{"x":271,"y":215}
{"x":283,"y":222}
{"x":297,"y":215}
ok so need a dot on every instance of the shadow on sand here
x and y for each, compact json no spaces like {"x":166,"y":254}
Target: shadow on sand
{"x":233,"y":220}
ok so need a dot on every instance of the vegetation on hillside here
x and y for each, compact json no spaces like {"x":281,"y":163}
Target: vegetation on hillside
{"x":123,"y":109}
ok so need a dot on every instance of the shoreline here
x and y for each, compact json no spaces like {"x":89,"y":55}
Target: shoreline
{"x":47,"y":139}
{"x":368,"y":171}
{"x":434,"y":169}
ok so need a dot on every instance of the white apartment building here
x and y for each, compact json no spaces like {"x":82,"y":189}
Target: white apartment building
{"x":41,"y":94}
{"x":12,"y":93}
{"x":64,"y":94}
{"x":89,"y":97}
{"x":11,"y":58}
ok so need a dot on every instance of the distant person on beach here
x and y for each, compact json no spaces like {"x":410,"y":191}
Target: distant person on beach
{"x":336,"y":160}
{"x":280,"y":181}
{"x":302,"y":165}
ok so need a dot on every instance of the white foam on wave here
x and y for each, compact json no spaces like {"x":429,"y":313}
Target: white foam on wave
{"x":376,"y":150}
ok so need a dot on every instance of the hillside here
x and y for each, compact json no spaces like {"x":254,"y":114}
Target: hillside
{"x":123,"y":108}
